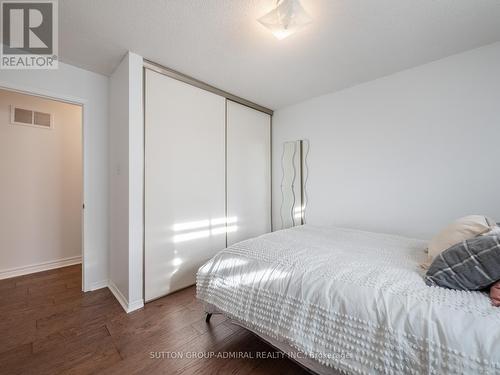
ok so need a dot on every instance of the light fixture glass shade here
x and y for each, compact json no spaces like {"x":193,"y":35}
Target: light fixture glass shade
{"x":287,"y":18}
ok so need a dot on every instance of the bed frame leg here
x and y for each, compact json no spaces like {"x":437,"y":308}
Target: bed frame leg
{"x":207,"y":319}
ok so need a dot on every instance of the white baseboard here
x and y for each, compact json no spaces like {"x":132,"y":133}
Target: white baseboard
{"x":98,"y":285}
{"x":128,"y":307}
{"x":136,"y":305}
{"x":39,"y":267}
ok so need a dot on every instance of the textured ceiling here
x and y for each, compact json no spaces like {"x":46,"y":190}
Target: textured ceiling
{"x":220,"y":41}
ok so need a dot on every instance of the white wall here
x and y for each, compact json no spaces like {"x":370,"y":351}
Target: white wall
{"x":136,"y":181}
{"x":403,"y":154}
{"x":91,"y":89}
{"x":126,"y":182}
{"x":119,"y":177}
{"x":41,"y":190}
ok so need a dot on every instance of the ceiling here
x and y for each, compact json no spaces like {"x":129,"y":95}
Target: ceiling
{"x":221,"y":43}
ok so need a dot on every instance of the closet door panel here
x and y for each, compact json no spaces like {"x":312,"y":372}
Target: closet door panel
{"x":184,"y":182}
{"x":248,"y":172}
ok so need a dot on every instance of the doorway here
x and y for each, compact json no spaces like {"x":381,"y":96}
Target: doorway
{"x":41,"y":190}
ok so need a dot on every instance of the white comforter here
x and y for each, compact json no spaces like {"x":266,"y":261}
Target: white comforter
{"x":355,"y":301}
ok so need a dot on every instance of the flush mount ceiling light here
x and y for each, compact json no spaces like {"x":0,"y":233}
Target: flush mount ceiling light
{"x":286,"y":18}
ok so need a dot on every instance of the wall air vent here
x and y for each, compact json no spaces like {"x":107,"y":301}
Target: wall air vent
{"x":28,"y":117}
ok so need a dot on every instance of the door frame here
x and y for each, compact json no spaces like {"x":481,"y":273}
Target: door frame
{"x":45,"y":94}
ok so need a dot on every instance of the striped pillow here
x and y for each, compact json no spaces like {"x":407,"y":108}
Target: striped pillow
{"x":470,"y":265}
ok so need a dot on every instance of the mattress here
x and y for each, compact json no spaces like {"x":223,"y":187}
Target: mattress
{"x":352,"y":301}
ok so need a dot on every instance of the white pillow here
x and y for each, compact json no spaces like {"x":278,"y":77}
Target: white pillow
{"x":460,"y":230}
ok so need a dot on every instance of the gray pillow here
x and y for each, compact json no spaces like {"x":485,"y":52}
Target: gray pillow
{"x":470,"y":265}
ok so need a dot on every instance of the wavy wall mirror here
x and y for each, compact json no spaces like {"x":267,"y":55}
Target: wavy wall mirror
{"x":293,"y":183}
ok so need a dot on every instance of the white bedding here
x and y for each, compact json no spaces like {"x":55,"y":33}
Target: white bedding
{"x":355,"y":301}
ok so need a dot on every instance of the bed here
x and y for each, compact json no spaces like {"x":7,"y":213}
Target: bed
{"x":352,"y":302}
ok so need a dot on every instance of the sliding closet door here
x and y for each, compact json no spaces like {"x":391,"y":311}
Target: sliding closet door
{"x":248,"y":172}
{"x":184,"y":182}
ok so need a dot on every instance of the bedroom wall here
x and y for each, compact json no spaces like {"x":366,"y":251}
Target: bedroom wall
{"x":75,"y":84}
{"x":403,"y":154}
{"x":41,"y":190}
{"x":119,"y":177}
{"x":126,"y":182}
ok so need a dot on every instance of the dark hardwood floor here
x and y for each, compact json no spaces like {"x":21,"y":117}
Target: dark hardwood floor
{"x":48,"y":326}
